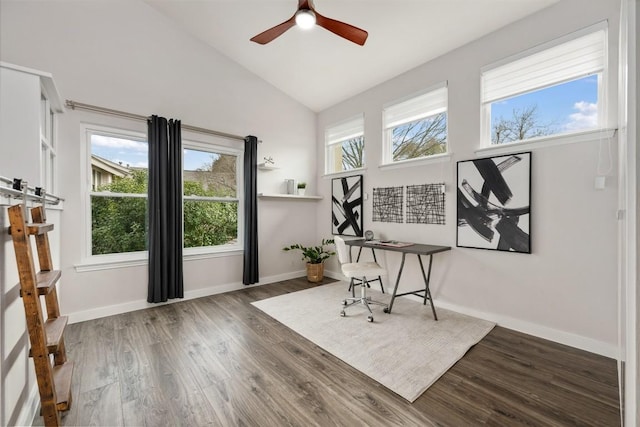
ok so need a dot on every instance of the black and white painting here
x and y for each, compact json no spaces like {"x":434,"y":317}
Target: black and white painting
{"x":387,"y":204}
{"x":346,"y":206}
{"x":494,"y":203}
{"x":425,"y":204}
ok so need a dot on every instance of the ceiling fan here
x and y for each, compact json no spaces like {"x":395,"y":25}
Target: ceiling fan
{"x":306,"y":17}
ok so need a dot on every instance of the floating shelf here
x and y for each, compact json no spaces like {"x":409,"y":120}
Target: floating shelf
{"x":288,"y":196}
{"x":266,"y":167}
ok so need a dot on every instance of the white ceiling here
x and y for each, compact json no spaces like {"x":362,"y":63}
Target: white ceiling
{"x":320,"y":69}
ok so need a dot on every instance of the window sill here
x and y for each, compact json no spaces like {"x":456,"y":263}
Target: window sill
{"x":548,"y":141}
{"x":437,"y":158}
{"x":340,"y":174}
{"x":107,"y":262}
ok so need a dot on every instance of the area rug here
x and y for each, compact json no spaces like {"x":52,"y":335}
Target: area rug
{"x":406,"y":350}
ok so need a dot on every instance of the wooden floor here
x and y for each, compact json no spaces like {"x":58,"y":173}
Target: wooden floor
{"x":220,"y":361}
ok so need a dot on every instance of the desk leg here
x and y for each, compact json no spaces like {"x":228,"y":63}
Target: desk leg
{"x":395,"y":289}
{"x":427,"y":291}
{"x":379,"y":277}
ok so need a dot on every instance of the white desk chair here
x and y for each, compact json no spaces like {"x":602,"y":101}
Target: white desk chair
{"x":358,"y":270}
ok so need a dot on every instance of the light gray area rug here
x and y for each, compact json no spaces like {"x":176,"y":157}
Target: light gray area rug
{"x":406,"y":351}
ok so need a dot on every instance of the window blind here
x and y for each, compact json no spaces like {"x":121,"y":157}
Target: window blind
{"x":416,"y":108}
{"x":563,"y":62}
{"x":351,"y":128}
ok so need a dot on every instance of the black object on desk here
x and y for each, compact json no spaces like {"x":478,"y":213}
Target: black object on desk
{"x":408,"y":248}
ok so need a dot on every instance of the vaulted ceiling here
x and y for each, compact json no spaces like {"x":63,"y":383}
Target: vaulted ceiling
{"x":320,"y":69}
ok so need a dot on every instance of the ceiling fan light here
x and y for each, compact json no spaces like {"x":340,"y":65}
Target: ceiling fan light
{"x":305,"y":19}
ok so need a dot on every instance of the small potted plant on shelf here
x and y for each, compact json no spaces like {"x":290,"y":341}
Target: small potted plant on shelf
{"x":314,"y":256}
{"x":302,"y":187}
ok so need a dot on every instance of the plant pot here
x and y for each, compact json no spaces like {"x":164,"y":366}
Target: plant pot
{"x":315,"y":272}
{"x":301,"y":191}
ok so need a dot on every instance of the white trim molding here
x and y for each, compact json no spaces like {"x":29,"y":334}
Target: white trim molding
{"x":548,"y":141}
{"x":98,"y":312}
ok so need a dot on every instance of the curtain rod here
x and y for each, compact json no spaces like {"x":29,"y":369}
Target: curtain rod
{"x":88,"y":107}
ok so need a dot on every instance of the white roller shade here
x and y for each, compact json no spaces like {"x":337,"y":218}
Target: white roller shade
{"x":419,"y":107}
{"x":343,"y":131}
{"x":566,"y":61}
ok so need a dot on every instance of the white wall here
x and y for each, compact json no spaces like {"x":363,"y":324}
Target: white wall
{"x":633,"y":378}
{"x":628,"y":295}
{"x":566,"y":289}
{"x":124,"y":55}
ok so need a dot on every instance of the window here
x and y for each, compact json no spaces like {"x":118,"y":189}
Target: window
{"x":553,"y":89}
{"x":47,"y":145}
{"x":118,"y":194}
{"x":417,"y":127}
{"x":345,"y":145}
{"x":210,"y":188}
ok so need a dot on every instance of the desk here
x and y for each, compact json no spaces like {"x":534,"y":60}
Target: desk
{"x":415,"y":248}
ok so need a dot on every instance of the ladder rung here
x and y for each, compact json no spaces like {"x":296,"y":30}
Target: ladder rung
{"x":46,"y":280}
{"x":37,"y":229}
{"x":54,"y":328}
{"x":62,"y":379}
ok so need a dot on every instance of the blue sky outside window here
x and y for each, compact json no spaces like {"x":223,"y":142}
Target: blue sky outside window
{"x":567,"y":107}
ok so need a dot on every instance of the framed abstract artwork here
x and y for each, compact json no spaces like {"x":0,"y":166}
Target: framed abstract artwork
{"x":387,"y":204}
{"x":494,"y":203}
{"x":425,"y":204}
{"x":346,"y":206}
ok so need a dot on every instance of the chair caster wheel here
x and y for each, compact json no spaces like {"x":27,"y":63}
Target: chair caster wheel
{"x":342,"y":313}
{"x":344,"y":302}
{"x":386,"y":309}
{"x":370,"y":319}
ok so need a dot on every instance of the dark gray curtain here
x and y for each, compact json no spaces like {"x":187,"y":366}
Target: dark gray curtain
{"x":165,"y":210}
{"x":250,"y":272}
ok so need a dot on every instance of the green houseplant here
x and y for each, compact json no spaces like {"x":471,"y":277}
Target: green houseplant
{"x":314,"y":256}
{"x":302,"y":186}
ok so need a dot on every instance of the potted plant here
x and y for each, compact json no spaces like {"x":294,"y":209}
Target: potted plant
{"x":302,"y":186}
{"x":314,"y":256}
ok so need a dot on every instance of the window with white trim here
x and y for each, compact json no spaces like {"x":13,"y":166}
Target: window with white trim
{"x":556,"y":88}
{"x":416,"y":128}
{"x":117,"y":194}
{"x":344,"y":144}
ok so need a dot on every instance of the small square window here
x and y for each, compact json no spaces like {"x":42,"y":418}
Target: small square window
{"x":416,"y":127}
{"x":345,"y":145}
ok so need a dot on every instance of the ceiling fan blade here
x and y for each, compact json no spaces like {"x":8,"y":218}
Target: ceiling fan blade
{"x":270,"y":34}
{"x":349,"y":32}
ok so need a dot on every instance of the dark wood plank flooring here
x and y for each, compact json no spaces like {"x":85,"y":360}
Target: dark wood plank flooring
{"x":219,"y":361}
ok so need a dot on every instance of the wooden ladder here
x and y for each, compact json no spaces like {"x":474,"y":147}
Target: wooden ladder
{"x":46,"y":336}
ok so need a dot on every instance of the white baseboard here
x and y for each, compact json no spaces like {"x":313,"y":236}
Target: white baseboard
{"x":555,"y":335}
{"x":110,"y":310}
{"x":534,"y":329}
{"x":334,"y":275}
